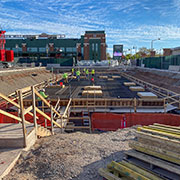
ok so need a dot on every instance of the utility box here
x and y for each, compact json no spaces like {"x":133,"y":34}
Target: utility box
{"x":9,"y":56}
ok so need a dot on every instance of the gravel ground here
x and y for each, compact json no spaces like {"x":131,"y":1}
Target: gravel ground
{"x":76,"y":156}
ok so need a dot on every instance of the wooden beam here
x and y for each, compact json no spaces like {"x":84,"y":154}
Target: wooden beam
{"x":10,"y":115}
{"x":47,"y":117}
{"x":28,"y":110}
{"x":104,"y":173}
{"x":154,"y":161}
{"x":67,"y":107}
{"x":126,"y":171}
{"x":34,"y":108}
{"x":12,"y":102}
{"x":23,"y":118}
{"x":156,"y":151}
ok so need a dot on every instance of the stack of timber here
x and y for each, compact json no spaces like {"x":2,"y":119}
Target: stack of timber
{"x":129,"y":84}
{"x":92,"y":87}
{"x":155,"y":155}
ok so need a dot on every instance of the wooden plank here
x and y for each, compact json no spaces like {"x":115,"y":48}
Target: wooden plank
{"x":25,"y":90}
{"x":154,"y":161}
{"x":141,"y":171}
{"x":92,"y":87}
{"x":67,"y":107}
{"x":129,"y":84}
{"x":28,"y":110}
{"x":155,"y":132}
{"x":126,"y":171}
{"x":159,"y":141}
{"x":155,"y":151}
{"x":161,"y":129}
{"x":163,"y":125}
{"x":23,"y":118}
{"x":136,"y":88}
{"x":34,"y":108}
{"x":12,"y":102}
{"x":109,"y":176}
{"x":165,"y":129}
{"x":10,"y":115}
{"x":47,"y":117}
{"x":92,"y":92}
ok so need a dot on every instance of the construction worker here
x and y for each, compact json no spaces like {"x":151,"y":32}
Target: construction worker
{"x":78,"y":74}
{"x":109,"y":62}
{"x":72,"y":71}
{"x":92,"y":80}
{"x":42,"y":93}
{"x":93,"y":72}
{"x":65,"y":77}
{"x":87,"y":74}
{"x":84,"y":71}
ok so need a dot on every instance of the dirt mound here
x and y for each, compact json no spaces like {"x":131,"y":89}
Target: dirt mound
{"x":72,"y":156}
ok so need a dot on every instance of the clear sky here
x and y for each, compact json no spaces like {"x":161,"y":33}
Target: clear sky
{"x":127,"y":22}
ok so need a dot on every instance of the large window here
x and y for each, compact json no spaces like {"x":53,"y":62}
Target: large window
{"x":42,"y":49}
{"x":32,"y":49}
{"x":16,"y":49}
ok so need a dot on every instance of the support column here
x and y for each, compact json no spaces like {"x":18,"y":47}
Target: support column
{"x":23,"y":118}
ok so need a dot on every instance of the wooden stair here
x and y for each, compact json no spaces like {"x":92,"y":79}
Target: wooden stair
{"x":43,"y":132}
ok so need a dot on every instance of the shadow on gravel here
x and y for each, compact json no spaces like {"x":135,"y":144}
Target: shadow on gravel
{"x":90,"y":172}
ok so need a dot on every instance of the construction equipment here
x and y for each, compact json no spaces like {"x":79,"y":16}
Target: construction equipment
{"x":6,"y":56}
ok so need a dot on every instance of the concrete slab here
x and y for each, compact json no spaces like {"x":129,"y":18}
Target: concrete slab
{"x":146,"y":95}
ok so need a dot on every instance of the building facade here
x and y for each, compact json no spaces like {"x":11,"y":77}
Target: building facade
{"x":91,"y":46}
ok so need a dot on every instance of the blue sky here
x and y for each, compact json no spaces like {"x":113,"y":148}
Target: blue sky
{"x":130,"y":22}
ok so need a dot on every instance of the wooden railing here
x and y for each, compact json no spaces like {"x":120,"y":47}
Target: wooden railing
{"x":170,"y":97}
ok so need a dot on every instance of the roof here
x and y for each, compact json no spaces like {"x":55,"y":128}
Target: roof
{"x":94,"y":32}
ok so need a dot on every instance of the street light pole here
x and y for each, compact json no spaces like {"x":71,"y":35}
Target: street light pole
{"x":152,"y":43}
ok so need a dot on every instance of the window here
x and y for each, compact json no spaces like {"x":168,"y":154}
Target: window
{"x":41,"y":49}
{"x":74,"y":49}
{"x":69,"y":49}
{"x":32,"y":49}
{"x":82,"y":50}
{"x":16,"y":49}
{"x":92,"y":46}
{"x":96,"y":47}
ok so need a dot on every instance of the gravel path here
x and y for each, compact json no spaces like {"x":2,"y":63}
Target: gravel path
{"x":76,"y":156}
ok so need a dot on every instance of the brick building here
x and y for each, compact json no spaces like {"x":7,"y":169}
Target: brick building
{"x":91,"y":46}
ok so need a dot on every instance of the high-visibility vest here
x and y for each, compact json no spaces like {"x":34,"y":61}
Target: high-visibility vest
{"x":78,"y":73}
{"x":93,"y":71}
{"x":72,"y":70}
{"x":43,"y":95}
{"x":87,"y":72}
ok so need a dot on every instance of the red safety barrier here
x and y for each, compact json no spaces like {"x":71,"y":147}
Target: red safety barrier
{"x":112,"y":121}
{"x":41,"y":120}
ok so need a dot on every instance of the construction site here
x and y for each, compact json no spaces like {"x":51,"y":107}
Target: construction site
{"x":122,"y":124}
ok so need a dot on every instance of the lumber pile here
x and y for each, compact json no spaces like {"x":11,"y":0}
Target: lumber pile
{"x":136,"y":88}
{"x":116,"y":77}
{"x":92,"y":92}
{"x":110,"y":79}
{"x":155,"y":154}
{"x":103,"y":77}
{"x":92,"y":87}
{"x":129,"y":84}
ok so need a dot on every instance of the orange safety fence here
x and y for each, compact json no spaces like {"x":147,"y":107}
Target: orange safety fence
{"x":112,"y":121}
